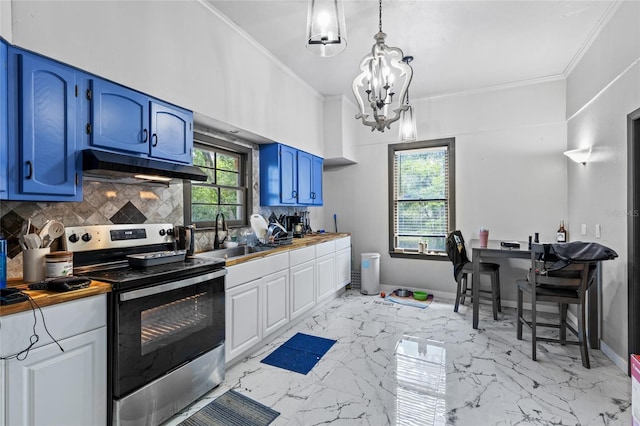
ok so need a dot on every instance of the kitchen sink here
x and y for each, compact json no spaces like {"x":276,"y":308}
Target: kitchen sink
{"x":232,"y":252}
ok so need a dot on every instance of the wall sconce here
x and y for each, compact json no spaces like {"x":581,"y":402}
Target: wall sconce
{"x":580,"y":155}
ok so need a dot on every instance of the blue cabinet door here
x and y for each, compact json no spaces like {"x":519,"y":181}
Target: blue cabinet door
{"x":4,"y":120}
{"x":305,"y":165}
{"x":316,"y":181}
{"x":288,"y":175}
{"x":119,"y":118}
{"x":309,"y":179}
{"x":278,"y":175}
{"x":171,"y":133}
{"x":42,"y":129}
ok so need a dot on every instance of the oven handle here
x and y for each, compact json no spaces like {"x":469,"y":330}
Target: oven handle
{"x":150,"y":291}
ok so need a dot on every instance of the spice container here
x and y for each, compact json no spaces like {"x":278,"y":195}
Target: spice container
{"x":59,"y":264}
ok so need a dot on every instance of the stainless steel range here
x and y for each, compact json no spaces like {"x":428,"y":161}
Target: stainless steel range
{"x":166,"y":318}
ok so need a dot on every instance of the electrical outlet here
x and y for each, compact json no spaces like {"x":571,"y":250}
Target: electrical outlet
{"x":597,"y":231}
{"x":583,"y":229}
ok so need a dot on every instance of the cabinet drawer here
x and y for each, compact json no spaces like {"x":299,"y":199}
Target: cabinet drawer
{"x":325,"y":248}
{"x":302,"y":255}
{"x":254,"y":269}
{"x":63,"y":320}
{"x":343,"y":243}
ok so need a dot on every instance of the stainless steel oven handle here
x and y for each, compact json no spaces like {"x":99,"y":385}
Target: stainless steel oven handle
{"x":150,"y":291}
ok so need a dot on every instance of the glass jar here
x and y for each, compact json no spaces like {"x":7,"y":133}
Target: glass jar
{"x":59,"y":264}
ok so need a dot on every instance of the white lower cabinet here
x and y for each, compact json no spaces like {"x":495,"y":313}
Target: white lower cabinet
{"x":50,"y":386}
{"x":66,"y":388}
{"x":264,"y":295}
{"x":244,"y":318}
{"x":326,"y":276}
{"x":257,"y":297}
{"x":343,"y":262}
{"x":276,"y":301}
{"x":302,"y":288}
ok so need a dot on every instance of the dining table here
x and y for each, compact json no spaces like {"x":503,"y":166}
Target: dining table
{"x":495,"y":250}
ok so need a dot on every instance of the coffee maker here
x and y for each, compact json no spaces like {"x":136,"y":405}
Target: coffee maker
{"x":295,"y":225}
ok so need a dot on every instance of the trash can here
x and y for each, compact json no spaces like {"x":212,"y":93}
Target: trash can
{"x":370,"y":273}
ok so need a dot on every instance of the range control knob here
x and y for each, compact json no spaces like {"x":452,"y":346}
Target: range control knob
{"x":170,"y":231}
{"x":162,"y":232}
{"x":73,"y":238}
{"x":86,"y":237}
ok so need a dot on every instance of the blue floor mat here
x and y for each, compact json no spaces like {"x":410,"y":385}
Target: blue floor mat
{"x":300,"y":353}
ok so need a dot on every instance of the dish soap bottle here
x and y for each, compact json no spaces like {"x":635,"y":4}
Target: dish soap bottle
{"x":561,"y":236}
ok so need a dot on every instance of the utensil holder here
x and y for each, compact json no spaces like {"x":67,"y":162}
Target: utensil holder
{"x":33,"y":264}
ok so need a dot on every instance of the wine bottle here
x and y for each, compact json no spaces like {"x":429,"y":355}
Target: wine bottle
{"x":561,"y":236}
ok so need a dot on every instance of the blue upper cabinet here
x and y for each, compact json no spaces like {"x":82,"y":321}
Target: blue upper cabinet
{"x":316,"y":180}
{"x":43,"y":165}
{"x":125,"y":120}
{"x":289,"y":177}
{"x":4,"y":135}
{"x":119,"y":117}
{"x":309,"y":179}
{"x":171,"y":133}
{"x":278,"y":183}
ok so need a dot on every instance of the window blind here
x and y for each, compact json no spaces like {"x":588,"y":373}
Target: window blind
{"x":421,"y":197}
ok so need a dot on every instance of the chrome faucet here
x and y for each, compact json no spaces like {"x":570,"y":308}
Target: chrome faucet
{"x":217,"y":242}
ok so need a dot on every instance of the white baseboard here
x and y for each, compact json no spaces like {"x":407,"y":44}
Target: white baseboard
{"x":621,"y":363}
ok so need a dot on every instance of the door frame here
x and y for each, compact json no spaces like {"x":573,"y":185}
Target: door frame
{"x":633,"y":224}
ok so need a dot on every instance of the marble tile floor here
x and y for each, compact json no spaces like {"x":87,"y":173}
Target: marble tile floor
{"x":400,"y":365}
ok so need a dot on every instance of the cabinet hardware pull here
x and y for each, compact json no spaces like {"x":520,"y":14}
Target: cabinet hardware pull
{"x":146,"y":134}
{"x":294,"y":194}
{"x":313,"y":195}
{"x":88,"y":128}
{"x":30,"y":165}
{"x":154,"y":140}
{"x":89,"y":94}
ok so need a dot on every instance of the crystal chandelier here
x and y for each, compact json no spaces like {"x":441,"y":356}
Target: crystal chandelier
{"x":382,"y":84}
{"x":326,"y":34}
{"x":408,"y":131}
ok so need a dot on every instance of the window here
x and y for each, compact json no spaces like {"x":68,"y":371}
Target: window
{"x":227,"y":189}
{"x":421,"y":196}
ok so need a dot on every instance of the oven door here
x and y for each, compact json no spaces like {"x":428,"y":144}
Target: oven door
{"x":162,"y":327}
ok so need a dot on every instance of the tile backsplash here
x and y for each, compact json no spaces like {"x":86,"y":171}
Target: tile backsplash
{"x":103,"y":203}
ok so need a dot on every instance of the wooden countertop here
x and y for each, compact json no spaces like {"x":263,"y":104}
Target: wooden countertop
{"x":307,"y":240}
{"x":47,"y":298}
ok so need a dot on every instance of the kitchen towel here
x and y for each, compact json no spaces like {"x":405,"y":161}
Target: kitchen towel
{"x":232,"y":409}
{"x":300,"y":353}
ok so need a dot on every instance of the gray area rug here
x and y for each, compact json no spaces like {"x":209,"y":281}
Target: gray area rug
{"x":232,"y":409}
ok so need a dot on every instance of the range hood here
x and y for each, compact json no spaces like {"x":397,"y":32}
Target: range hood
{"x":109,"y":165}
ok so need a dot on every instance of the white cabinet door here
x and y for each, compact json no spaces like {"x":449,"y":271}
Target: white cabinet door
{"x":326,"y":276}
{"x":243,"y":318}
{"x":302,"y":284}
{"x":51,"y":387}
{"x":343,"y":268}
{"x":276,"y":300}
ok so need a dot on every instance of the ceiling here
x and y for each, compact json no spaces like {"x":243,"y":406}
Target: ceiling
{"x":458,"y":45}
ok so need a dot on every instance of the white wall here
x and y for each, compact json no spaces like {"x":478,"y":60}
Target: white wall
{"x":180,"y":51}
{"x":510,"y":176}
{"x":602,"y":89}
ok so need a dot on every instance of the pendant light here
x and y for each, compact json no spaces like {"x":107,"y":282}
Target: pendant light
{"x":407,"y":131}
{"x":382,"y":84}
{"x":326,"y":31}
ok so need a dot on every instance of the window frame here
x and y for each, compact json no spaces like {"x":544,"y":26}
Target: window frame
{"x":246,"y":174}
{"x":449,"y":143}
